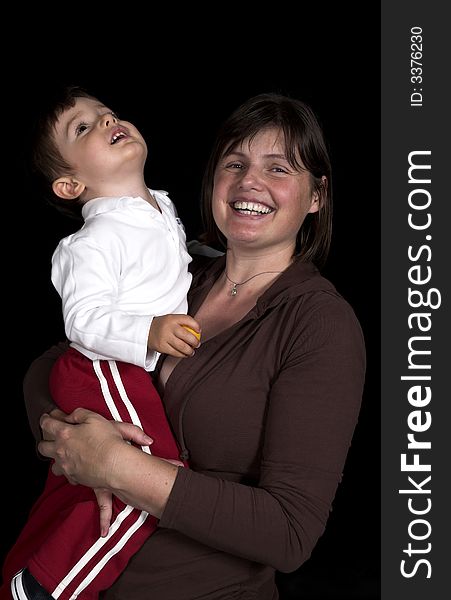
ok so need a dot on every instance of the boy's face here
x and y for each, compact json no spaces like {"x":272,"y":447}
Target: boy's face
{"x":100,"y":148}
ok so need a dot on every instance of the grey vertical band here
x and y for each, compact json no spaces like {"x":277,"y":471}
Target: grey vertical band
{"x":416,"y":316}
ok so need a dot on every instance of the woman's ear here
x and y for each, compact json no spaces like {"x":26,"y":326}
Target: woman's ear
{"x":318,"y":196}
{"x":68,"y":188}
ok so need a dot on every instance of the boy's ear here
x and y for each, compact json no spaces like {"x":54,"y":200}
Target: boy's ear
{"x":68,"y":188}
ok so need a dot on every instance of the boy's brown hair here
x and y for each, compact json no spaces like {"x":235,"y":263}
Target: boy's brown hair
{"x":47,"y":163}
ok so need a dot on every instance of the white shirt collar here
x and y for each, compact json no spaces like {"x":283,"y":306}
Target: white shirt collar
{"x":104,"y":204}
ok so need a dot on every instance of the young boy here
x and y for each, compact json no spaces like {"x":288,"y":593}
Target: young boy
{"x":123,"y":281}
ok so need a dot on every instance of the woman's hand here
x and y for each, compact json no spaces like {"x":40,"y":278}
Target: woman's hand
{"x":90,"y":450}
{"x":84,"y":445}
{"x":105,"y":503}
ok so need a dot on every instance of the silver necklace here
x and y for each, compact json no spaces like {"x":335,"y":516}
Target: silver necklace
{"x":235,"y":284}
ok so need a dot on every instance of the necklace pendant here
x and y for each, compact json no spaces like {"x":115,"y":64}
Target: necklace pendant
{"x":233,"y":291}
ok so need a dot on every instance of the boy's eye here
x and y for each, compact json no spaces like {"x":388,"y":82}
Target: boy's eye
{"x":81,"y":127}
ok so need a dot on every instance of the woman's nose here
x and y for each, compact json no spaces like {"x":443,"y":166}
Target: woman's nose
{"x":108,"y":120}
{"x":250,"y":179}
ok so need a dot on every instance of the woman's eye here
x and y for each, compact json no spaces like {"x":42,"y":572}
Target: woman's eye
{"x":234,"y":165}
{"x":81,"y":127}
{"x":278,"y":169}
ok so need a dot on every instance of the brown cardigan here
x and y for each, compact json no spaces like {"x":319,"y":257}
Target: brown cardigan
{"x":266,"y":410}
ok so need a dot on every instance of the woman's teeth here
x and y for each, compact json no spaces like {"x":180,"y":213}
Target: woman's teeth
{"x":251,"y":208}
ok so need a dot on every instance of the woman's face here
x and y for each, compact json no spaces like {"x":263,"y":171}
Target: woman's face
{"x":259,"y":200}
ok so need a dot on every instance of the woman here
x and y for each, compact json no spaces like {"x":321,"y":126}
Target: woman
{"x":266,"y":408}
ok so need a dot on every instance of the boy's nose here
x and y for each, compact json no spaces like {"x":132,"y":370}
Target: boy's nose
{"x":108,"y":120}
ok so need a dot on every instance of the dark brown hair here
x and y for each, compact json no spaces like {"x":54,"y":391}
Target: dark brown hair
{"x":303,"y":139}
{"x":47,"y":163}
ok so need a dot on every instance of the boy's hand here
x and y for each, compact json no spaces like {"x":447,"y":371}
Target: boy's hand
{"x":170,"y":334}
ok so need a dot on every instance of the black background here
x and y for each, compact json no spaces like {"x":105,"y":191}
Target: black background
{"x":177,"y":88}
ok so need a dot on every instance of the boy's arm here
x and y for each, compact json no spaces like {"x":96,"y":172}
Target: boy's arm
{"x":99,"y":318}
{"x":36,"y":387}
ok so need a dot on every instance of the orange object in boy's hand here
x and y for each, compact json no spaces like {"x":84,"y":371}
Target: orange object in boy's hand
{"x":195,"y":333}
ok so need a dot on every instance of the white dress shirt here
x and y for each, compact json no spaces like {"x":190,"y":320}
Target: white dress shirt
{"x":127,"y":264}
